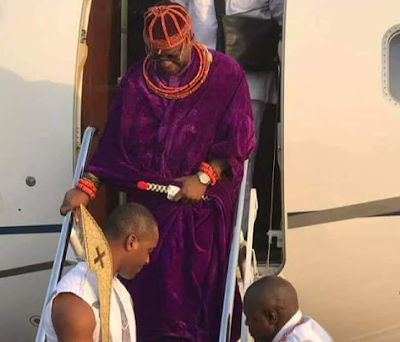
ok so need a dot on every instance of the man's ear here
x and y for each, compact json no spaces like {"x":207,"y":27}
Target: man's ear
{"x":272,"y":316}
{"x":131,"y":243}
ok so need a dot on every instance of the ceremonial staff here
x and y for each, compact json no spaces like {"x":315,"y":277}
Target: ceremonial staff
{"x":99,"y":260}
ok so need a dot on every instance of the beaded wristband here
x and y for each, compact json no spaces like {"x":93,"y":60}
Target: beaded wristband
{"x":87,"y":187}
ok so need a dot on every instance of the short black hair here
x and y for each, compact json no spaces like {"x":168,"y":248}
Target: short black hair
{"x":130,"y":218}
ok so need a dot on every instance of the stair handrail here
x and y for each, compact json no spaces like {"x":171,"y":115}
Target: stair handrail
{"x":230,"y":285}
{"x":65,"y":230}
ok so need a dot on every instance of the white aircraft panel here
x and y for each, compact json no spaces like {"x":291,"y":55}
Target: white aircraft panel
{"x":37,"y":75}
{"x":341,"y":147}
{"x":341,"y":133}
{"x":39,"y":41}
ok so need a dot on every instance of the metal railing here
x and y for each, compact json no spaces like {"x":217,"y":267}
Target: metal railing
{"x":250,"y":273}
{"x":65,"y":230}
{"x":226,"y":319}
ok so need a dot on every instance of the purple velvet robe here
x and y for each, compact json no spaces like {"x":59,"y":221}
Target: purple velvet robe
{"x":179,"y":295}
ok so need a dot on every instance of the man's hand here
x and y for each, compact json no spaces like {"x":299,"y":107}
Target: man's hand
{"x":191,"y":191}
{"x":73,"y":199}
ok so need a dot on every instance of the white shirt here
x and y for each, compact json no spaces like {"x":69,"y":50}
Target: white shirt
{"x":83,"y":283}
{"x":202,"y":12}
{"x":309,"y":331}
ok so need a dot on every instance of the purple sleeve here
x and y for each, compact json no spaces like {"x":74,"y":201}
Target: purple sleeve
{"x":235,"y":139}
{"x":107,"y":161}
{"x":110,"y":161}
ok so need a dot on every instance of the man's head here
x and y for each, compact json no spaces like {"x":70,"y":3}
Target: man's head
{"x":268,"y":304}
{"x":132,"y":234}
{"x":168,"y":36}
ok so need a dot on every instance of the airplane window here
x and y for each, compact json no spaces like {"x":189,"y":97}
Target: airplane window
{"x":394,"y":67}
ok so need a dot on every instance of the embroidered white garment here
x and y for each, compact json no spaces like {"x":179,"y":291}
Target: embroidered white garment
{"x":308,"y":331}
{"x":83,"y":283}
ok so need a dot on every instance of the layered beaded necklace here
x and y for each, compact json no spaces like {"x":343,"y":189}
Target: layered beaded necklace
{"x":176,"y":93}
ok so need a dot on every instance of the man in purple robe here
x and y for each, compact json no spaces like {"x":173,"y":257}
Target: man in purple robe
{"x":182,"y":116}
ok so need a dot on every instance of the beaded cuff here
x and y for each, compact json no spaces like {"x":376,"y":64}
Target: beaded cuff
{"x":87,"y":187}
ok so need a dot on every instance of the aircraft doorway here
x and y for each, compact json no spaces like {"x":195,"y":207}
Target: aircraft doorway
{"x":102,"y":70}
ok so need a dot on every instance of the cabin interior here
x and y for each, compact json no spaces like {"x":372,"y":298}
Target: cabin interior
{"x":101,"y":74}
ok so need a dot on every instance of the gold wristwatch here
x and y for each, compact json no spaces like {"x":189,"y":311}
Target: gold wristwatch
{"x":204,"y":178}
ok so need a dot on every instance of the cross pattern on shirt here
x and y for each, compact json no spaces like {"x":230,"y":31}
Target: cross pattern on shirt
{"x":100,"y":256}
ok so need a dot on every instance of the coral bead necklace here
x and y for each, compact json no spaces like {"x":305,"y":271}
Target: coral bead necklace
{"x":176,"y":93}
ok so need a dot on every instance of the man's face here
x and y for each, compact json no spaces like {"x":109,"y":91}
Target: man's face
{"x":137,"y":254}
{"x":259,"y":325}
{"x":173,"y":60}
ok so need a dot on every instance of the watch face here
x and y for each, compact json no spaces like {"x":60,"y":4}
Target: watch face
{"x":204,"y":178}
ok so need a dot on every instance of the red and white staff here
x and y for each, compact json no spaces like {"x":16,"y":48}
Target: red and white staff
{"x":170,"y":190}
